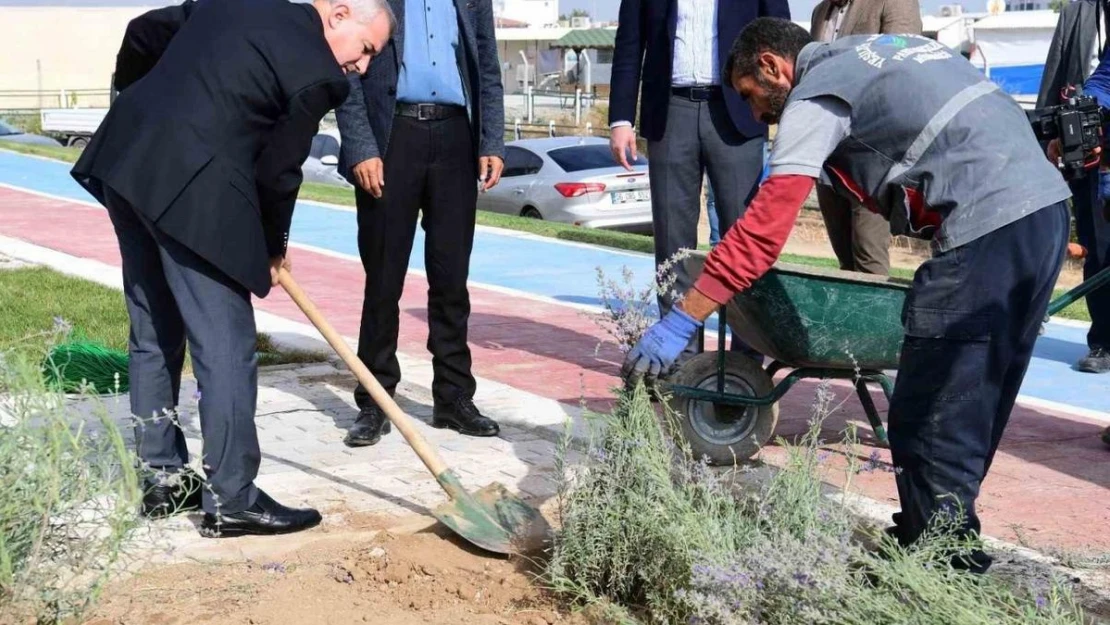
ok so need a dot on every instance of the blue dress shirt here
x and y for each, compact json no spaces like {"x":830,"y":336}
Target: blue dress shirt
{"x":429,"y":67}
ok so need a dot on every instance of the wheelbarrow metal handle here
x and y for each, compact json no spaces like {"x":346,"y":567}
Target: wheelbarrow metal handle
{"x":1067,"y":299}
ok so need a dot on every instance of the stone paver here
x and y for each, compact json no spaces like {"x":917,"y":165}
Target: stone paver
{"x":302,"y":418}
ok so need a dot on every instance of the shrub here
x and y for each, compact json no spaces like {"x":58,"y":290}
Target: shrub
{"x":68,"y":497}
{"x":647,"y":528}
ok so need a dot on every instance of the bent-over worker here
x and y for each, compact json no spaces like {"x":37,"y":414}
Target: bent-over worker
{"x":199,"y":165}
{"x":911,"y":130}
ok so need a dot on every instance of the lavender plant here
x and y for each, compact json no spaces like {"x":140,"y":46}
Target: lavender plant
{"x":629,"y":310}
{"x":68,"y":498}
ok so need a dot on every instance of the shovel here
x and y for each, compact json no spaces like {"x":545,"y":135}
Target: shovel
{"x":492,"y":518}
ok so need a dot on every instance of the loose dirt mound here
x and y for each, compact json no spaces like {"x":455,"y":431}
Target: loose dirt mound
{"x":421,"y":578}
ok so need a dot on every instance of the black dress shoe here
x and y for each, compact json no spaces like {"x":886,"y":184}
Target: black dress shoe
{"x":171,"y":493}
{"x":368,"y":428}
{"x":265,"y":518}
{"x":463,"y":416}
{"x":1097,"y":361}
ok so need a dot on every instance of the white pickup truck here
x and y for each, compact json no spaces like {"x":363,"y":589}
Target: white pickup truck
{"x":73,"y":127}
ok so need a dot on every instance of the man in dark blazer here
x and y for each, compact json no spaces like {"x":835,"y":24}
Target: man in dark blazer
{"x":198,"y":163}
{"x":1075,"y":51}
{"x":671,"y":53}
{"x":420,"y":132}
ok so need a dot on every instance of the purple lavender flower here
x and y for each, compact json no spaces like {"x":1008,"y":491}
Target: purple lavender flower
{"x":61,"y":325}
{"x":875,"y":463}
{"x":1042,"y":602}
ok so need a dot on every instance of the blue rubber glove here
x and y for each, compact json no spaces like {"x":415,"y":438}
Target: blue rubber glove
{"x":660,"y":346}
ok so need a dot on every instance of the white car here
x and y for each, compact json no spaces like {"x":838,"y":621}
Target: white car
{"x":323,"y":158}
{"x":12,"y":134}
{"x":571,"y":180}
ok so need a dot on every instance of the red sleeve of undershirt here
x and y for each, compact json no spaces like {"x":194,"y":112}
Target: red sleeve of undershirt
{"x":751,"y":247}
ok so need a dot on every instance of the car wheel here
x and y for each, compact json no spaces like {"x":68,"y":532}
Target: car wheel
{"x":79,"y":142}
{"x":531,"y":213}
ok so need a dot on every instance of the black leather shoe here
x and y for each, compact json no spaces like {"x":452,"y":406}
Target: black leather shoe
{"x":265,"y":518}
{"x":463,"y":416}
{"x":368,"y":428}
{"x":1097,"y":361}
{"x":171,"y":493}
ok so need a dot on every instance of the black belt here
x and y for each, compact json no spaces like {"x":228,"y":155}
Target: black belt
{"x":429,"y":112}
{"x":699,"y":94}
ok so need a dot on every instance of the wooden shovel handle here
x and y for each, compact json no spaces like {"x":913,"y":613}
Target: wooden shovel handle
{"x":403,"y":422}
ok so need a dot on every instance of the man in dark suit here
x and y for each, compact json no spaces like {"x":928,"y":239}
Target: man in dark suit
{"x":420,"y":132}
{"x":1076,"y":50}
{"x":671,"y":52}
{"x":198,"y":163}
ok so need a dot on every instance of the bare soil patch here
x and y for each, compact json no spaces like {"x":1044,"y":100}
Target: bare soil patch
{"x":428,"y":577}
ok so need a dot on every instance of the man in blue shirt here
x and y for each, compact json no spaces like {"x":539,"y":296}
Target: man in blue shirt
{"x":422,"y":130}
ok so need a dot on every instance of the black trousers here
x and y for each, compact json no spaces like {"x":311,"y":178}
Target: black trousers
{"x":1093,"y":231}
{"x":971,"y":323}
{"x":430,"y":170}
{"x":172,"y":296}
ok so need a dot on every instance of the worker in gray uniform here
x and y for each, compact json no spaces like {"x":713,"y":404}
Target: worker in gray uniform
{"x":909,"y":129}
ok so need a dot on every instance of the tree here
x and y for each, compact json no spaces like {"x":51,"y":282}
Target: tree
{"x":580,"y":13}
{"x":1057,"y":5}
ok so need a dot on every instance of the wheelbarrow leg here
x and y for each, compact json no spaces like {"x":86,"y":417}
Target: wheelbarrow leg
{"x":869,"y":408}
{"x":775,"y":367}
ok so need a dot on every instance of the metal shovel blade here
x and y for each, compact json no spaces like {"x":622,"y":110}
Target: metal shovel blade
{"x":492,"y":518}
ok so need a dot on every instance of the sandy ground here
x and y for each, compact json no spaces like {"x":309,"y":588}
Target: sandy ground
{"x":360,"y":573}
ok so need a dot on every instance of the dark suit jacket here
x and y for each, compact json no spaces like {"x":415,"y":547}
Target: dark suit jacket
{"x":1069,"y":54}
{"x":645,"y":49}
{"x":366,"y":118}
{"x":220,"y":100}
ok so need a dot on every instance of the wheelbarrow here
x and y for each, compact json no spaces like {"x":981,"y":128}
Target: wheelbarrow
{"x":815,"y":322}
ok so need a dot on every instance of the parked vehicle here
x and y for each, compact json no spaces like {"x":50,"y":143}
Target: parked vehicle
{"x":323,"y":159}
{"x":12,"y":134}
{"x":72,"y":127}
{"x":571,"y":180}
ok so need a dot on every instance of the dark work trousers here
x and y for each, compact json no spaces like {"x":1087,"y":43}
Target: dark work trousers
{"x":700,"y":138}
{"x":859,"y":238}
{"x":172,"y":296}
{"x":430,"y":169}
{"x":1093,"y":232}
{"x":971,"y":321}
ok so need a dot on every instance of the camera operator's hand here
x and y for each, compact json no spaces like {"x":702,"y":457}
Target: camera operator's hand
{"x":1054,"y":151}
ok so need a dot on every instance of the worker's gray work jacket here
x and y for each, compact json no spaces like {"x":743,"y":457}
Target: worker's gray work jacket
{"x":934,"y":146}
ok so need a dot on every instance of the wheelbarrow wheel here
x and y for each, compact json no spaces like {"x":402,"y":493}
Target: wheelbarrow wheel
{"x":724,"y":434}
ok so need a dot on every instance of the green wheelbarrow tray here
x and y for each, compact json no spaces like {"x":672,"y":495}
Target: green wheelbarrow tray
{"x":820,"y":318}
{"x":817,"y":322}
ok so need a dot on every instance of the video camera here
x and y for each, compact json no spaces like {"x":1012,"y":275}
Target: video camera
{"x":1077,"y":123}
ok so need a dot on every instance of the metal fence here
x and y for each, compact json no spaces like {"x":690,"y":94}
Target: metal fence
{"x":23,"y":100}
{"x":519,"y":129}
